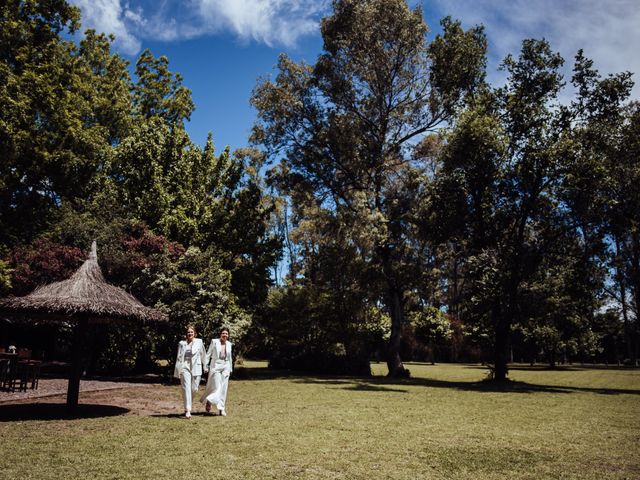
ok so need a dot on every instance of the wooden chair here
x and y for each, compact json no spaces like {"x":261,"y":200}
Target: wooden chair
{"x":4,"y":371}
{"x":15,"y":377}
{"x":31,"y":372}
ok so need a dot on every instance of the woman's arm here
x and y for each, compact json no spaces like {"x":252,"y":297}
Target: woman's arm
{"x":229,"y":359}
{"x":204,"y":357}
{"x":179,"y":359}
{"x":209,"y":355}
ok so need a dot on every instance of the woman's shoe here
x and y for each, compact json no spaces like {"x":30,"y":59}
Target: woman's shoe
{"x":187,"y":414}
{"x":208,"y":406}
{"x":223,"y":413}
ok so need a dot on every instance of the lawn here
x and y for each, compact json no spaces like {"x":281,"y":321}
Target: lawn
{"x":443,"y":423}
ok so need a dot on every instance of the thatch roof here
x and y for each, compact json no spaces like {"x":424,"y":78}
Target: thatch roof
{"x":85,"y":295}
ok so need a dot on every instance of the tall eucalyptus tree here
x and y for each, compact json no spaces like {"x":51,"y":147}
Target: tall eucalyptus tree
{"x":345,"y":127}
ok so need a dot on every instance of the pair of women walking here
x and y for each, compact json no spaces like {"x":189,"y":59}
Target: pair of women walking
{"x":192,"y":361}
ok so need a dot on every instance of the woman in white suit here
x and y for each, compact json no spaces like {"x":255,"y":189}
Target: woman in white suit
{"x":220,"y":366}
{"x":189,"y":366}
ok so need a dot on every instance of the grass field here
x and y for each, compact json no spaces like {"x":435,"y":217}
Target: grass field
{"x":444,"y":423}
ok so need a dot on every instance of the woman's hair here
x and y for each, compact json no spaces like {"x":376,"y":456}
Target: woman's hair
{"x":224,"y":329}
{"x":192,"y":327}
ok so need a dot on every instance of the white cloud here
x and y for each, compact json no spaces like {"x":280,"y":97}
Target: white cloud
{"x":108,"y":16}
{"x":267,"y":21}
{"x":608,"y":32}
{"x":273,"y":22}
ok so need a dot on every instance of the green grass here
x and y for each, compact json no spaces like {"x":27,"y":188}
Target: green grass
{"x":444,"y":423}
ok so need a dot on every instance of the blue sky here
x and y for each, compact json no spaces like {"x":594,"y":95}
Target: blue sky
{"x":221,"y":47}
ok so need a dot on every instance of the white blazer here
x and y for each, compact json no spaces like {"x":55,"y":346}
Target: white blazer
{"x":198,"y":358}
{"x":212,"y":353}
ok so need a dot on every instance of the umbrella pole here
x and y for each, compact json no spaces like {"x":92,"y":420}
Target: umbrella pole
{"x":77,"y":361}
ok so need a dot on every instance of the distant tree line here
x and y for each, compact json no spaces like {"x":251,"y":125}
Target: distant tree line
{"x":420,"y":212}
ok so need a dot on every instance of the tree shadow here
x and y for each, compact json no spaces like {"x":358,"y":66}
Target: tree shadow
{"x":540,"y":367}
{"x":149,"y":378}
{"x":380,"y":383}
{"x":56,"y":411}
{"x":509,"y":386}
{"x":263,"y":373}
{"x":180,"y":416}
{"x":366,"y":387}
{"x":387,"y":384}
{"x":351,"y":383}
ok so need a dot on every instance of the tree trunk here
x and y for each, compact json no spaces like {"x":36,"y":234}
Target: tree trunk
{"x":552,"y":358}
{"x":635,"y":289}
{"x":503,"y":316}
{"x":395,"y":305}
{"x":394,"y":362}
{"x":501,"y":348}
{"x":622,"y":288}
{"x":432,"y":352}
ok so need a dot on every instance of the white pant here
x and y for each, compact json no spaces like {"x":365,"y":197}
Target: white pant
{"x":190,"y":386}
{"x":217,"y":383}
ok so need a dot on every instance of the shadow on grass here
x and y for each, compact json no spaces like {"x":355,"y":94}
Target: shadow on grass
{"x":180,"y":416}
{"x":540,"y":367}
{"x":497,"y":387}
{"x":367,"y":387}
{"x":378,"y":383}
{"x":56,"y":411}
{"x":150,"y":378}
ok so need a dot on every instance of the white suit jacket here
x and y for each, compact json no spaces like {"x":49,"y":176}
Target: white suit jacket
{"x":212,"y":353}
{"x":198,"y":358}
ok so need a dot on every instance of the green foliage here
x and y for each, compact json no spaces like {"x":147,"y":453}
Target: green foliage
{"x":346,"y":127}
{"x":91,"y":155}
{"x":520,"y":200}
{"x":159,"y":92}
{"x":198,"y":290}
{"x":190,"y":285}
{"x":5,"y":277}
{"x":63,"y":106}
{"x":430,"y":325}
{"x":520,"y":219}
{"x":199,"y":199}
{"x":307,"y":329}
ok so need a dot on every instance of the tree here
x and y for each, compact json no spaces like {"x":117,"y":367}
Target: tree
{"x":430,"y":326}
{"x":62,"y":107}
{"x":346,"y":125}
{"x":522,"y":174}
{"x":599,"y":188}
{"x":625,"y":223}
{"x":41,"y":263}
{"x":501,"y":171}
{"x":558,"y":306}
{"x":159,"y":92}
{"x":319,"y":330}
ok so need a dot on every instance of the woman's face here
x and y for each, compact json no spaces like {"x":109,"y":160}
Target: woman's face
{"x":190,"y":334}
{"x":224,"y":336}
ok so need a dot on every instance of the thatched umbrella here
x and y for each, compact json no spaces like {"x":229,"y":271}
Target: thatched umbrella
{"x":82,"y":299}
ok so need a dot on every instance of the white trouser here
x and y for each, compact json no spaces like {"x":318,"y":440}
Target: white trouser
{"x":190,"y":386}
{"x":216,"y":392}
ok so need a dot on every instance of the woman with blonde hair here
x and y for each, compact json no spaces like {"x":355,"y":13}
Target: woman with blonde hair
{"x":189,"y":366}
{"x":220,"y":366}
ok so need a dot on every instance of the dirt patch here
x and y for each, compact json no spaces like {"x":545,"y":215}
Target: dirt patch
{"x":141,"y":399}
